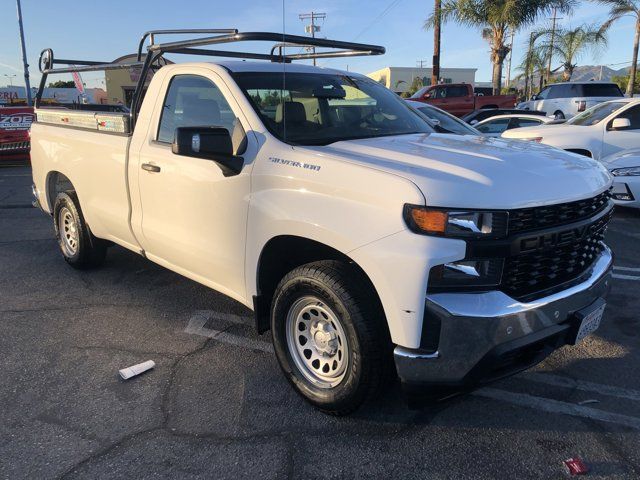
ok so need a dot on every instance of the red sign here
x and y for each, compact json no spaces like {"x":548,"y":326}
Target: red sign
{"x":78,"y":81}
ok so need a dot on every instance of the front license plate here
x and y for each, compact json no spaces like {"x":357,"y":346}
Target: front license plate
{"x":590,"y":320}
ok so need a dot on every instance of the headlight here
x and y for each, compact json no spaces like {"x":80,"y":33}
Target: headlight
{"x":466,"y":273}
{"x":626,"y":172}
{"x":456,"y":223}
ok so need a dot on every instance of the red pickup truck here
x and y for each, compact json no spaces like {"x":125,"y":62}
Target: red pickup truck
{"x":15,"y":123}
{"x":459,"y":98}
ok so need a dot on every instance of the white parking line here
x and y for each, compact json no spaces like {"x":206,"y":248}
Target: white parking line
{"x":555,"y":406}
{"x":627,"y":269}
{"x":198,"y":321}
{"x":200,"y":318}
{"x":626,"y":277}
{"x":566,"y":382}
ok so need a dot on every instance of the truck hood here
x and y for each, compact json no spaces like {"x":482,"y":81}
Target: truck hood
{"x":465,"y":171}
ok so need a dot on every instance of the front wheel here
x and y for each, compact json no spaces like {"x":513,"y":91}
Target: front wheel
{"x":329,"y":336}
{"x":80,"y":248}
{"x":558,"y":115}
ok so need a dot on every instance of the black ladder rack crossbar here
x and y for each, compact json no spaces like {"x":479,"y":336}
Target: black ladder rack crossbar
{"x":155,"y":52}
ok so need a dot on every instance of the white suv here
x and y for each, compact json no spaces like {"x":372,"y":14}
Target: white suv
{"x":564,"y":100}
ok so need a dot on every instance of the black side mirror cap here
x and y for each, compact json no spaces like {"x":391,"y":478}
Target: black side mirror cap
{"x":211,"y":143}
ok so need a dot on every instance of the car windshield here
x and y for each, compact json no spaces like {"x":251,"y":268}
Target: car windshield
{"x":595,"y":114}
{"x":420,"y":92}
{"x":319,"y":109}
{"x":447,"y":122}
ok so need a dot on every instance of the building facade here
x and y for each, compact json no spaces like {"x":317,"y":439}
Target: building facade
{"x":399,"y":79}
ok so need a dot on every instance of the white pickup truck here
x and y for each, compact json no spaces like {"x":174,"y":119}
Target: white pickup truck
{"x":317,"y":198}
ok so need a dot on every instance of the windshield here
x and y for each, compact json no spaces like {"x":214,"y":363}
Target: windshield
{"x":447,"y":122}
{"x":595,"y":114}
{"x":420,"y":93}
{"x":319,"y":109}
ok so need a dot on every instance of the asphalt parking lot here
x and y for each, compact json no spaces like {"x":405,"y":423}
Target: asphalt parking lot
{"x":216,"y":405}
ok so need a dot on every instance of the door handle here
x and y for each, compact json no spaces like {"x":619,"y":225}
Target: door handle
{"x":149,"y":167}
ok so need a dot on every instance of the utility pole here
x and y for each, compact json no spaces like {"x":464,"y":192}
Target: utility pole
{"x":509,"y":62}
{"x":421,"y":63}
{"x":312,"y":28}
{"x":437,"y":14}
{"x":553,"y":35}
{"x":10,"y":77}
{"x":27,"y":85}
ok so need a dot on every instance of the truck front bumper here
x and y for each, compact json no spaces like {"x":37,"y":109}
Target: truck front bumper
{"x":487,"y":336}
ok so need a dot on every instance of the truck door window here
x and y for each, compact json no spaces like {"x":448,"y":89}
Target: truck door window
{"x":456,"y":91}
{"x":194,"y":101}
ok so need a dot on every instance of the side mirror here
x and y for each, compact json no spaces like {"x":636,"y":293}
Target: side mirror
{"x":534,"y":97}
{"x":620,"y":123}
{"x":211,"y":143}
{"x":473,"y":122}
{"x":427,"y":95}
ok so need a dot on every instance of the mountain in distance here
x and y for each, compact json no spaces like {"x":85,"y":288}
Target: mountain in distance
{"x":586,"y":73}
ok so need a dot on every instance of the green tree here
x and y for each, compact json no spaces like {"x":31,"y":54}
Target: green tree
{"x":416,"y":84}
{"x":62,"y":84}
{"x":623,"y":82}
{"x":569,"y":45}
{"x":496,"y":18}
{"x":619,"y":9}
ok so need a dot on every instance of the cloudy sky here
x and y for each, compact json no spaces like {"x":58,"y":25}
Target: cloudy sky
{"x":105,"y":30}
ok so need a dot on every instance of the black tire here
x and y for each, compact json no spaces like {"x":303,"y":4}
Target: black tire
{"x":558,"y":115}
{"x":89,"y":251}
{"x":341,"y":289}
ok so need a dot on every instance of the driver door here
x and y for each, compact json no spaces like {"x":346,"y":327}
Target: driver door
{"x":193,"y":216}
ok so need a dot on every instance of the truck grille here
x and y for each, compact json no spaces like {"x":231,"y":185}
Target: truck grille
{"x":545,"y":268}
{"x":14,"y":147}
{"x":538,"y":218}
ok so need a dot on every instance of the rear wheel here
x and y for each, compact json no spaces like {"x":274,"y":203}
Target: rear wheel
{"x":329,"y":336}
{"x":558,"y":115}
{"x":80,"y":248}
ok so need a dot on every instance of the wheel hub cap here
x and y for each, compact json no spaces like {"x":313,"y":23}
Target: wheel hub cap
{"x":317,"y":342}
{"x":68,"y":232}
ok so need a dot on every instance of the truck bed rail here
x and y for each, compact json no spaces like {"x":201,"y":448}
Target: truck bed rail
{"x":87,"y":120}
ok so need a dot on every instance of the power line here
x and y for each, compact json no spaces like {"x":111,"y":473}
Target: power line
{"x":393,"y":4}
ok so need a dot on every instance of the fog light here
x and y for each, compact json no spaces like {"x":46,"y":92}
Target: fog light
{"x":467,"y":273}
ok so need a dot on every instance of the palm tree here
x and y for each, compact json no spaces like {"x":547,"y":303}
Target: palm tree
{"x":496,"y":18}
{"x":570,"y":44}
{"x":619,"y":9}
{"x":530,"y":60}
{"x":533,"y":63}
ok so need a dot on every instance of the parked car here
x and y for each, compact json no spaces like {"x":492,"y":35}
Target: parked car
{"x":459,"y":99}
{"x":484,"y":113}
{"x":566,"y":99}
{"x":496,"y":126}
{"x":357,"y":234}
{"x":15,"y":123}
{"x":443,"y":121}
{"x":597,"y":132}
{"x":625,"y":168}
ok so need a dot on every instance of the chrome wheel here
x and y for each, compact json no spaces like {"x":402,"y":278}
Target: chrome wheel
{"x":69,"y":236}
{"x":317,"y":342}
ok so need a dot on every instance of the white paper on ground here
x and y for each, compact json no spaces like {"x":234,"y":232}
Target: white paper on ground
{"x":127,"y":373}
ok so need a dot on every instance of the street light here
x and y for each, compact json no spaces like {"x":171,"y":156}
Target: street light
{"x":10,"y":77}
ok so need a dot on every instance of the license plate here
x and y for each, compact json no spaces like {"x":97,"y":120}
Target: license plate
{"x":590,"y":321}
